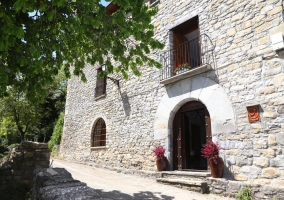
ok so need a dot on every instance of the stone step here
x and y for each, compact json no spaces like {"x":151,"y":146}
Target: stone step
{"x":193,"y":185}
{"x":189,"y":175}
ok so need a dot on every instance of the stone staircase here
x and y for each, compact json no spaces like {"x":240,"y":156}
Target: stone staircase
{"x":191,"y":180}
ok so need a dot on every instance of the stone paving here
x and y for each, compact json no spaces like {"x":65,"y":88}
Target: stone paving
{"x":113,"y":185}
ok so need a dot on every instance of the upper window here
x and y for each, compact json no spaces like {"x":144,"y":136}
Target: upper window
{"x":186,"y":46}
{"x":100,"y":89}
{"x":191,"y":52}
{"x":99,"y":134}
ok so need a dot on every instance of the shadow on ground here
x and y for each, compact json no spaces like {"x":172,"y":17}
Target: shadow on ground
{"x":144,"y":195}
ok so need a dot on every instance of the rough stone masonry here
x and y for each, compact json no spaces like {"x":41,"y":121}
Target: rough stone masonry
{"x":246,"y":71}
{"x":18,"y":167}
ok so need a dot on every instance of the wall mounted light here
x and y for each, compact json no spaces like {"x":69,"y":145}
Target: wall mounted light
{"x":115,"y":81}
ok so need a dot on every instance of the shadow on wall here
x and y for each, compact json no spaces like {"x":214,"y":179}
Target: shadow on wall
{"x":125,"y":103}
{"x":228,"y":174}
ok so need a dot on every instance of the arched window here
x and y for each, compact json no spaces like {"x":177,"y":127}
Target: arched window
{"x":99,"y":134}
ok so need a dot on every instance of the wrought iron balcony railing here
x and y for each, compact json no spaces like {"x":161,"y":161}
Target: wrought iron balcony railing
{"x":187,"y":56}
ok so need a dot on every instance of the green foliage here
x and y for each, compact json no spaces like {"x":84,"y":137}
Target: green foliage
{"x":22,"y":118}
{"x":39,"y":38}
{"x":57,"y":133}
{"x":17,"y":111}
{"x":244,"y":194}
{"x":8,"y":131}
{"x":3,"y":155}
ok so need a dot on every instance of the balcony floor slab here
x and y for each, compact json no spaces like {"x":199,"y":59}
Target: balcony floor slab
{"x":193,"y":72}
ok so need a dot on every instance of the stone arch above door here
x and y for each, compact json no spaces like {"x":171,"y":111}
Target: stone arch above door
{"x":200,"y":88}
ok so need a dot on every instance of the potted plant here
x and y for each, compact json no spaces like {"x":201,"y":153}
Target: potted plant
{"x":161,"y":160}
{"x":181,"y":68}
{"x":210,"y":151}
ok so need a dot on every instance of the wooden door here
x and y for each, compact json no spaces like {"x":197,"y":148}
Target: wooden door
{"x":177,"y":146}
{"x":208,"y":126}
{"x":184,"y":145}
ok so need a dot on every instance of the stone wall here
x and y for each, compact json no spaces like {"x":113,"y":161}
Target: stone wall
{"x":19,"y":165}
{"x":246,"y":68}
{"x":232,"y":188}
{"x":57,"y":183}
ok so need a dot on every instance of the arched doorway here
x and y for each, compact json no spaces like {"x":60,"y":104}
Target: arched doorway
{"x":191,"y":129}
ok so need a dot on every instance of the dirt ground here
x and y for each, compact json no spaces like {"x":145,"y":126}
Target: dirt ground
{"x":117,"y":186}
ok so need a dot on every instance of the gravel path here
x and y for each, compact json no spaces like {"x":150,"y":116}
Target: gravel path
{"x":117,"y":186}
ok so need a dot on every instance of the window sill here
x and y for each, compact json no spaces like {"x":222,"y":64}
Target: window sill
{"x":193,"y":72}
{"x":101,"y":147}
{"x":100,"y":97}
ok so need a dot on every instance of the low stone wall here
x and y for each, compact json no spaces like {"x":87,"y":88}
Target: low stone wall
{"x":57,"y":184}
{"x":19,"y":165}
{"x":232,"y":188}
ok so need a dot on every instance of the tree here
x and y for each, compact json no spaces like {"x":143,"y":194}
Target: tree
{"x":34,"y":120}
{"x":50,"y":108}
{"x":23,"y":112}
{"x":8,"y":132}
{"x":38,"y":38}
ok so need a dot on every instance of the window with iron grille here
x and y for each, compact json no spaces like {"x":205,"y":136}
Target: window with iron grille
{"x":99,"y":134}
{"x":100,"y":89}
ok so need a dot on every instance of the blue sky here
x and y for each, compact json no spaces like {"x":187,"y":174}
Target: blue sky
{"x":104,"y":3}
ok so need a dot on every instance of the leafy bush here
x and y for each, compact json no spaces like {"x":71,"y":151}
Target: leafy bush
{"x":57,"y":132}
{"x":159,"y":152}
{"x":210,"y":151}
{"x":244,"y":194}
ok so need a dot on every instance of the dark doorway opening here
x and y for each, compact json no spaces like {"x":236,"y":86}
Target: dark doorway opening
{"x":191,"y":129}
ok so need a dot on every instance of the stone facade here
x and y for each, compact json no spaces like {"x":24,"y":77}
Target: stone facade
{"x":232,"y":188}
{"x":245,"y":71}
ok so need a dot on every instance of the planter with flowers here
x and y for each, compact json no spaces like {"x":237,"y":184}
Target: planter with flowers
{"x":210,"y":151}
{"x":180,"y":68}
{"x":161,"y":160}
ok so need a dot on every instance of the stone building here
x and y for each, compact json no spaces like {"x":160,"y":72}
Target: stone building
{"x":222,"y":80}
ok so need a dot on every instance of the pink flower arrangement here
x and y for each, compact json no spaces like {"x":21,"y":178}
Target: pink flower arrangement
{"x":210,"y":151}
{"x":182,"y":66}
{"x":159,"y":152}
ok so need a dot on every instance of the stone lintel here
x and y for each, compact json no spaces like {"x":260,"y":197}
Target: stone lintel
{"x":192,"y":14}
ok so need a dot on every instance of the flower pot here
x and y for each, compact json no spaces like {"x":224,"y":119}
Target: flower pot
{"x":181,"y":70}
{"x":217,"y":169}
{"x":162,"y":164}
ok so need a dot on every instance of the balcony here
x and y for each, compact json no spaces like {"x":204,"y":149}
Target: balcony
{"x":187,"y":59}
